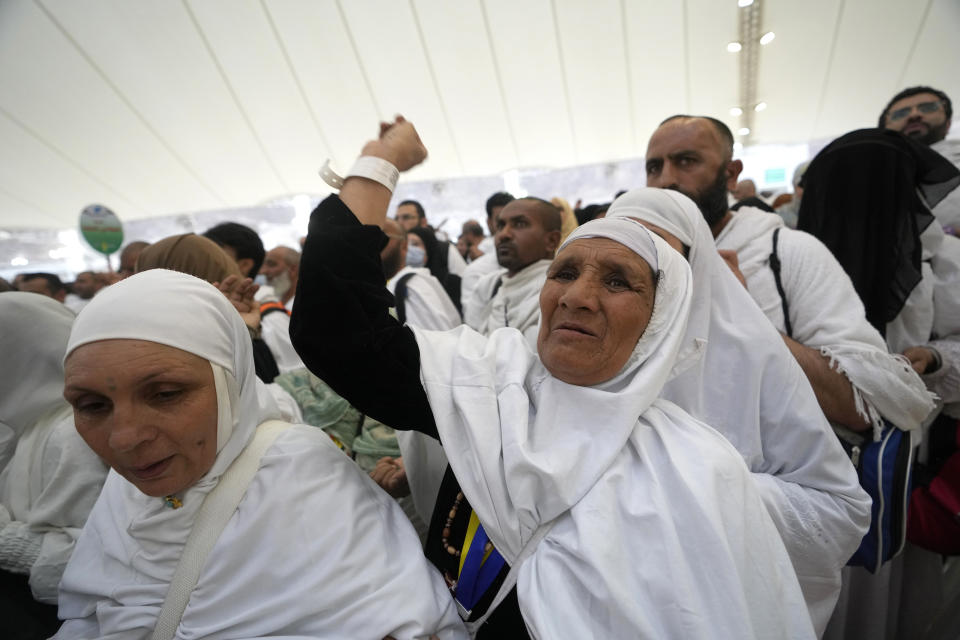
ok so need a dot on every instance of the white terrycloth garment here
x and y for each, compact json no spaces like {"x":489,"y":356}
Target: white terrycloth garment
{"x":427,"y":304}
{"x":47,"y":490}
{"x":947,"y":210}
{"x":455,"y":262}
{"x":515,"y":304}
{"x":826,"y":314}
{"x":53,"y":479}
{"x":749,"y":387}
{"x":32,"y":375}
{"x":314,"y":548}
{"x":472,"y":303}
{"x":653,"y":526}
{"x":275,"y":331}
{"x":931,"y":314}
{"x":427,"y":307}
{"x":487,"y":246}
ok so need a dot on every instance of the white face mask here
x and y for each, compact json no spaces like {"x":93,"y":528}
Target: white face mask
{"x":416,"y":257}
{"x":281,"y":284}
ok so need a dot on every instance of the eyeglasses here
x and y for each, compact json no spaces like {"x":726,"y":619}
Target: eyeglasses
{"x":924,"y":107}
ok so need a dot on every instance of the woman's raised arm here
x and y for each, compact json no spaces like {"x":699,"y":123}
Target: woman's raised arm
{"x":400,"y":145}
{"x":341,"y":324}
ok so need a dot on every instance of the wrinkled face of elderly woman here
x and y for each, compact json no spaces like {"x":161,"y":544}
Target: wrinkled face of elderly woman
{"x":148,"y":410}
{"x":594,"y":306}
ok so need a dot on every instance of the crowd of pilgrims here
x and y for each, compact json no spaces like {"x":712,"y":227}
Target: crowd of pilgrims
{"x":611,"y":421}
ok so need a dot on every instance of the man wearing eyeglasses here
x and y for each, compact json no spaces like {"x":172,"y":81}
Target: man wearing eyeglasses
{"x":924,"y":114}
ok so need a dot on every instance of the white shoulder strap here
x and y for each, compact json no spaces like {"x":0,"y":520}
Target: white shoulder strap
{"x":217,"y":509}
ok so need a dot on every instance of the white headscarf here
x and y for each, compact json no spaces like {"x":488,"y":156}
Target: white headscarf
{"x":550,"y":459}
{"x":155,"y":307}
{"x":32,"y":373}
{"x":750,"y":388}
{"x":569,"y":480}
{"x":278,"y":566}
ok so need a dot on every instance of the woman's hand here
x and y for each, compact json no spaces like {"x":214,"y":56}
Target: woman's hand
{"x":391,"y":476}
{"x":240,"y":291}
{"x":398,"y":143}
{"x":921,"y":358}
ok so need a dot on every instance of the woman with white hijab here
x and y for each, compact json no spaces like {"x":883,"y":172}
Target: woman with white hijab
{"x":749,"y":387}
{"x":52,"y":480}
{"x":618,"y":515}
{"x":175,"y":413}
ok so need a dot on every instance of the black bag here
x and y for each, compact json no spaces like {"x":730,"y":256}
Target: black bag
{"x":400,"y":297}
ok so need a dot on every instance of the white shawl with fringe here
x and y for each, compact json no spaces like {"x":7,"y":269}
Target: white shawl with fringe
{"x":826,"y":314}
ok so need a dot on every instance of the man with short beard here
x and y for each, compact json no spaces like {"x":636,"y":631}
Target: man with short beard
{"x":925,"y":114}
{"x":843,"y":356}
{"x":528,"y":234}
{"x":281,"y":266}
{"x":856,"y":381}
{"x":84,"y":287}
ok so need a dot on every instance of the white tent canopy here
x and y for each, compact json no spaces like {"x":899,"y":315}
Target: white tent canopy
{"x":159,"y":107}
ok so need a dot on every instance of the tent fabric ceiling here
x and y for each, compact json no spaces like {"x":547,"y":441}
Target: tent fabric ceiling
{"x":156,"y":107}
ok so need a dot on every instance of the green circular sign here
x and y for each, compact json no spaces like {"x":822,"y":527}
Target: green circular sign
{"x":101,"y":228}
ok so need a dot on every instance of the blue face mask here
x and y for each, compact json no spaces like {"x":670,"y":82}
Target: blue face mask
{"x":416,"y":257}
{"x":260,"y":280}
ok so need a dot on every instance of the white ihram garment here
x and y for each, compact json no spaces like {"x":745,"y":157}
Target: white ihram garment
{"x":475,"y":272}
{"x":427,"y":307}
{"x":455,"y":262}
{"x":427,"y":304}
{"x":52,"y":481}
{"x":826,"y":314}
{"x":947,"y":210}
{"x":516,"y":303}
{"x":931,"y":315}
{"x":275,"y":331}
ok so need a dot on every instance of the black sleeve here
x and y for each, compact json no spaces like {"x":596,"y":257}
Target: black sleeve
{"x":342,"y":328}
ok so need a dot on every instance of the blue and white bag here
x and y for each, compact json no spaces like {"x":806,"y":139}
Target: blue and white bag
{"x":885,"y":469}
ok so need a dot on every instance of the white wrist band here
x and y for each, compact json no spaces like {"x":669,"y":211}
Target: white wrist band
{"x":328,"y":176}
{"x":376,"y":169}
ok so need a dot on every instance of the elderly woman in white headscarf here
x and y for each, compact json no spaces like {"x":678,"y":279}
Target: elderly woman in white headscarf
{"x":216,"y":519}
{"x":615,"y":513}
{"x":749,"y":387}
{"x":52,"y":478}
